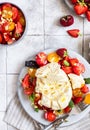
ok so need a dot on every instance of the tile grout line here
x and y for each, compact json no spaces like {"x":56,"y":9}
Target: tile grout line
{"x":83,"y":40}
{"x":44,"y":21}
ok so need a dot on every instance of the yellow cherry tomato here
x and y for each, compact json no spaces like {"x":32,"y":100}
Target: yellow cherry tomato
{"x":11,"y":26}
{"x":53,"y":57}
{"x":7,"y":13}
{"x":32,"y":72}
{"x":87,"y":99}
{"x":77,"y":92}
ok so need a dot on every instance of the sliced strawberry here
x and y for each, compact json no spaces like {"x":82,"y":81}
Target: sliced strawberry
{"x":85,"y":89}
{"x":25,"y":81}
{"x":88,"y":15}
{"x":80,"y":8}
{"x":77,"y":100}
{"x":66,"y":20}
{"x":41,"y":59}
{"x":74,"y":32}
{"x":62,"y":52}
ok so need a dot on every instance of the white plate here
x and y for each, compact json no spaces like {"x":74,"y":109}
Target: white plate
{"x":70,"y":5}
{"x":38,"y":116}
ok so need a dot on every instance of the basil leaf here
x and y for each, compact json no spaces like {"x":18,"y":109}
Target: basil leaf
{"x":87,"y":80}
{"x":32,"y":97}
{"x":36,"y":109}
{"x":71,"y":104}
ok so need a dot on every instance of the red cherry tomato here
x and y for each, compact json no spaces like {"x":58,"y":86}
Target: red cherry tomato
{"x":29,"y":91}
{"x":67,"y":109}
{"x":14,"y":12}
{"x":49,"y":115}
{"x":84,"y":89}
{"x":76,"y":100}
{"x":19,"y":28}
{"x":67,"y":69}
{"x":1,"y":38}
{"x":78,"y":68}
{"x":41,"y":59}
{"x":73,"y":61}
{"x":25,"y":81}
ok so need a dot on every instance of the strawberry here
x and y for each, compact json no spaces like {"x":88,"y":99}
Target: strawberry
{"x":74,"y":32}
{"x":1,"y":38}
{"x":74,"y":1}
{"x":88,"y":15}
{"x":80,"y":8}
{"x":66,"y":20}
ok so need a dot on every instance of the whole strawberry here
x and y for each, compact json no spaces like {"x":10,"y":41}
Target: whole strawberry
{"x":66,"y":20}
{"x":62,"y":52}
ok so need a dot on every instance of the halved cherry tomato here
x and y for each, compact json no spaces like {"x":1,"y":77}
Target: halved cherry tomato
{"x":67,"y":109}
{"x":19,"y":28}
{"x":85,"y":89}
{"x":50,"y":116}
{"x":77,"y":100}
{"x":14,"y":13}
{"x":41,"y":59}
{"x":73,"y":61}
{"x":77,"y":92}
{"x":1,"y":38}
{"x":25,"y":81}
{"x":67,"y":69}
{"x":53,"y":57}
{"x":7,"y":11}
{"x":78,"y":68}
{"x":29,"y":91}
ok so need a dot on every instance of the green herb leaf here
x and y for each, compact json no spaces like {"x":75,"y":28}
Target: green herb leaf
{"x":58,"y":110}
{"x":66,"y":63}
{"x":71,"y":104}
{"x":87,"y":80}
{"x":32,"y":97}
{"x":36,"y":109}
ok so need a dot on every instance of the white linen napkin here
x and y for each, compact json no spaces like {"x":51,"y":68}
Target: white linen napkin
{"x":18,"y":118}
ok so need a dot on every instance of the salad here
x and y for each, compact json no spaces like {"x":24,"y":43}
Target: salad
{"x":54,"y":83}
{"x":12,"y":23}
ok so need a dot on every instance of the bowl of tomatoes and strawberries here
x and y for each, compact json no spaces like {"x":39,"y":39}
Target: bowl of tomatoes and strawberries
{"x":12,"y":23}
{"x":80,"y":7}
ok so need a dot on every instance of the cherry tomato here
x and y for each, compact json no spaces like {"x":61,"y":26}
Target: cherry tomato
{"x":77,"y":92}
{"x":29,"y":91}
{"x":67,"y":109}
{"x":78,"y":68}
{"x":19,"y":28}
{"x":14,"y":13}
{"x":9,"y":26}
{"x":67,"y":69}
{"x":73,"y":61}
{"x":50,"y":116}
{"x":7,"y":11}
{"x":85,"y":89}
{"x":53,"y":57}
{"x":41,"y":59}
{"x":25,"y":81}
{"x":32,"y":72}
{"x":1,"y":38}
{"x":77,"y":100}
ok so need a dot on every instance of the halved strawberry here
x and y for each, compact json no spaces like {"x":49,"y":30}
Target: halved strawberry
{"x":74,"y":32}
{"x":88,"y":15}
{"x":73,"y":61}
{"x":62,"y":52}
{"x":80,"y":8}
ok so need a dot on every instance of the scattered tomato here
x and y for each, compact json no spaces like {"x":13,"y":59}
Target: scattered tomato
{"x":67,"y":20}
{"x":50,"y":116}
{"x":41,"y":59}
